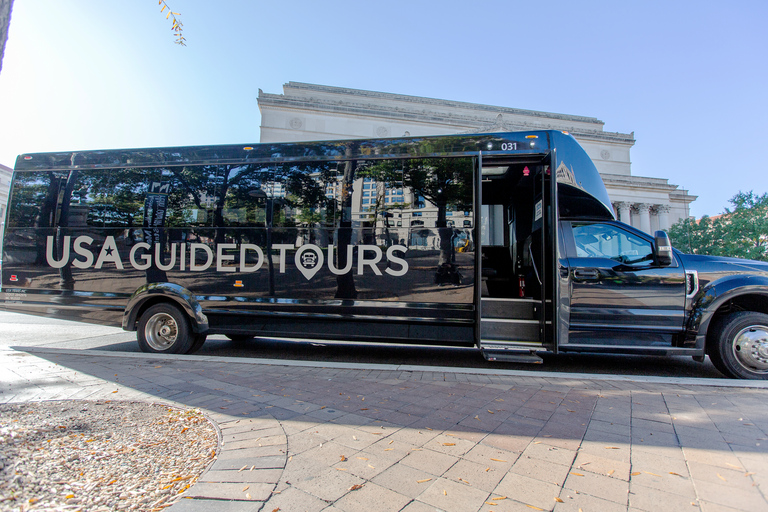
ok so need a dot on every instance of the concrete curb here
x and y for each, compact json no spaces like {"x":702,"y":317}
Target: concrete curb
{"x":688,"y":381}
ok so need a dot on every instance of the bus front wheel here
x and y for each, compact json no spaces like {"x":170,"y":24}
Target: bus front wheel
{"x":739,"y":345}
{"x":164,"y":329}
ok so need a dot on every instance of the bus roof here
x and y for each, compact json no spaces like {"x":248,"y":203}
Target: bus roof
{"x":447,"y":145}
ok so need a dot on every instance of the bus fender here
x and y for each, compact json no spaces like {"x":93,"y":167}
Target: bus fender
{"x":739,"y":288}
{"x":164,"y":292}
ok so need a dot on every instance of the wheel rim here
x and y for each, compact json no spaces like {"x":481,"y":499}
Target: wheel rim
{"x":750,"y":347}
{"x":161,"y":331}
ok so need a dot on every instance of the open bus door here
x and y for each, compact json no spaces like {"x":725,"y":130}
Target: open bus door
{"x":516,"y":257}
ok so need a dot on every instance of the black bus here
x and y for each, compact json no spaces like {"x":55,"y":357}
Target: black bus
{"x":503,"y":241}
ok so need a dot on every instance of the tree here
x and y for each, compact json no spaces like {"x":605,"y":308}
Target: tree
{"x":345,"y":283}
{"x":6,"y":6}
{"x":176,"y":25}
{"x":445,"y":182}
{"x":747,"y":233}
{"x":703,"y":236}
{"x":387,"y":175}
{"x":5,"y":21}
{"x":741,"y":232}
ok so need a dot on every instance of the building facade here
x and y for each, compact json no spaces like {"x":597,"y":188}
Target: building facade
{"x":308,"y":112}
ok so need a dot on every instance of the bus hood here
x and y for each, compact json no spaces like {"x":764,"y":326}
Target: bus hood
{"x":723,"y":265}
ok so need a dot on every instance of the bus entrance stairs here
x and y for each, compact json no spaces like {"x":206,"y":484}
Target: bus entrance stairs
{"x":510,"y":330}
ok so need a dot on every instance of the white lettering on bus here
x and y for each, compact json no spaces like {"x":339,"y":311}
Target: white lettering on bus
{"x":193,"y":266}
{"x":399,"y":261}
{"x":362,"y":262}
{"x":108,"y":253}
{"x":309,"y":258}
{"x":81,"y":251}
{"x":146,"y":257}
{"x":243,"y":252}
{"x":332,"y":267}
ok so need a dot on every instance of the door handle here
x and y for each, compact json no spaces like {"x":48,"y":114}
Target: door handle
{"x":584,"y":274}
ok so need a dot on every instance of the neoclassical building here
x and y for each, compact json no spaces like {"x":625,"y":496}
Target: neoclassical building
{"x":305,"y":112}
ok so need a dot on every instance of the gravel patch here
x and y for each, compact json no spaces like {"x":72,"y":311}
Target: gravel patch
{"x":100,"y":455}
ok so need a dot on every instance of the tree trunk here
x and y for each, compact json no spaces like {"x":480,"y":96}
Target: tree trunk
{"x":5,"y":20}
{"x":345,"y":283}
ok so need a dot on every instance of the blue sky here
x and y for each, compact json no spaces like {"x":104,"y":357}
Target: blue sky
{"x":687,"y":77}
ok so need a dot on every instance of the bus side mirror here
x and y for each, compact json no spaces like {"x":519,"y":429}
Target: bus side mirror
{"x":662,"y":249}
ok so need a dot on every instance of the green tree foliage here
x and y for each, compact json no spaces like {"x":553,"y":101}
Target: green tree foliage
{"x":741,"y":231}
{"x":701,"y":236}
{"x":747,"y":235}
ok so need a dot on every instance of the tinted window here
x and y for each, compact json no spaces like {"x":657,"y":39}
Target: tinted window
{"x":34,"y":197}
{"x":367,"y":193}
{"x":609,"y":241}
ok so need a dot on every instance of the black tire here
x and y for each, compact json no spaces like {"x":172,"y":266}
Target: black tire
{"x":738,"y":345}
{"x":164,"y":329}
{"x":239,"y":338}
{"x":199,"y":339}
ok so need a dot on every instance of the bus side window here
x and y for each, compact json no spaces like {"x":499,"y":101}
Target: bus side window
{"x":35,"y":199}
{"x":492,"y":224}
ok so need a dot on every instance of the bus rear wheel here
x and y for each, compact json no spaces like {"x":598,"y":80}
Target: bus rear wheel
{"x":739,"y":345}
{"x":164,"y":329}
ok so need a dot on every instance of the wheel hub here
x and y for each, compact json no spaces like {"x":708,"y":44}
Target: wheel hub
{"x":751,"y":347}
{"x":161,"y":331}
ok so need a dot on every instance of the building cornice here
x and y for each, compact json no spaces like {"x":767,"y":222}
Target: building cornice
{"x":620,"y":180}
{"x":487,"y":119}
{"x":676,"y":194}
{"x":420,"y":101}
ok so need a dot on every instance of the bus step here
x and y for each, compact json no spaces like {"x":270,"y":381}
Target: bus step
{"x":508,"y":355}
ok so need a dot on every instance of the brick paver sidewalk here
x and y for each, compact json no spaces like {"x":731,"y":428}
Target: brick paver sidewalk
{"x":343,"y":439}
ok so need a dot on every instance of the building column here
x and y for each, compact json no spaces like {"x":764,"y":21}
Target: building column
{"x":662,"y":210}
{"x":625,"y":215}
{"x":644,"y":214}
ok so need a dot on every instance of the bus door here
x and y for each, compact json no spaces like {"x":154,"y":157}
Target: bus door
{"x":620,"y":295}
{"x":515,"y":222}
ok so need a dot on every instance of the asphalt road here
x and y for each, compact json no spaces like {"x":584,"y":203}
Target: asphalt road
{"x":22,"y":330}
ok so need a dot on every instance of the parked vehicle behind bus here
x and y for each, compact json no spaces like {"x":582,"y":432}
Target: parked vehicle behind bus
{"x":506,"y":242}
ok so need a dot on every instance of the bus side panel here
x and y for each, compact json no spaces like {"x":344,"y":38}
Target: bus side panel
{"x":255,"y":244}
